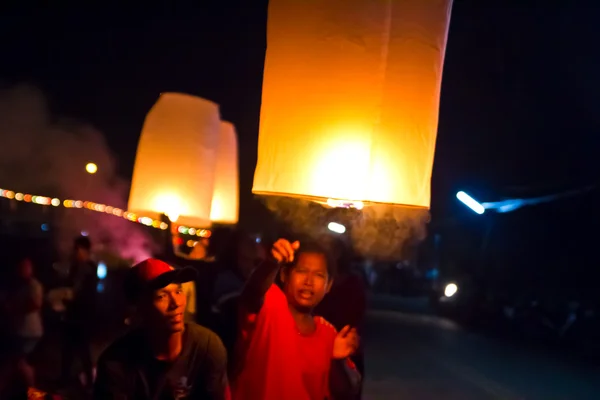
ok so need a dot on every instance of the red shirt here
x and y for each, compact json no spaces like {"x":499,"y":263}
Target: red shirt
{"x":277,"y":362}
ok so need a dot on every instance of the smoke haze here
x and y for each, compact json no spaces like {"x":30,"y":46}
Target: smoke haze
{"x":46,"y":155}
{"x":379,"y":231}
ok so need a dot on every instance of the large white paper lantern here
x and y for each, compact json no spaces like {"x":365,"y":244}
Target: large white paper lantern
{"x":175,"y":164}
{"x":225,"y":202}
{"x":350,"y":99}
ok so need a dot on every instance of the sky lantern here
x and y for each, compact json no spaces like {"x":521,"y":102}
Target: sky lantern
{"x":350,"y":100}
{"x":225,"y":201}
{"x":175,"y":164}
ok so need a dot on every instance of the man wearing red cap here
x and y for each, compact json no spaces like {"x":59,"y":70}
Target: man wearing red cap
{"x":166,"y":358}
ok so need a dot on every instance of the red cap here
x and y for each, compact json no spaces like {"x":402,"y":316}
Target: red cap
{"x":155,"y":274}
{"x":152,"y":268}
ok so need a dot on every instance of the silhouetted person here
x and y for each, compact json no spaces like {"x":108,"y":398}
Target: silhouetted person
{"x":346,"y":303}
{"x":240,"y":258}
{"x":23,"y":306}
{"x":80,"y":313}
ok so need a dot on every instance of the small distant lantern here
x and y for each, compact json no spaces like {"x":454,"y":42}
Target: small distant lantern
{"x":225,"y":202}
{"x":350,"y":100}
{"x":174,"y":169}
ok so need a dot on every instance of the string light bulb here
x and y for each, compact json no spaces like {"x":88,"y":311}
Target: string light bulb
{"x":103,"y":209}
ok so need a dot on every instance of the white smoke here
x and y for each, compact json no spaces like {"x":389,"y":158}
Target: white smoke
{"x":378,"y":231}
{"x":46,"y":155}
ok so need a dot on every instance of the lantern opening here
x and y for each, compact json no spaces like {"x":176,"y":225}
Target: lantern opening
{"x":334,"y":203}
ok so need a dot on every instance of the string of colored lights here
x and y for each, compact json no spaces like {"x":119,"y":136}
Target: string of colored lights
{"x":101,"y":208}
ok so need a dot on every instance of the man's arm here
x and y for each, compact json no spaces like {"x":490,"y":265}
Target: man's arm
{"x":264,"y":275}
{"x":257,"y":285}
{"x":217,"y":384}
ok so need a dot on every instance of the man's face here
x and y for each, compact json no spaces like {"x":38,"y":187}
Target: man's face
{"x":307,"y":282}
{"x":166,"y":307}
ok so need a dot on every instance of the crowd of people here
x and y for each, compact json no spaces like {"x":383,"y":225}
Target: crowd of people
{"x":272,"y":323}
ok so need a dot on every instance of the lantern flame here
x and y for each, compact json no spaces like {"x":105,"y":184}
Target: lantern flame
{"x":170,"y":205}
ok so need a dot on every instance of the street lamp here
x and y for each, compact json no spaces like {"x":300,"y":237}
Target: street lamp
{"x":91,"y":168}
{"x":470,"y":202}
{"x":337,"y":228}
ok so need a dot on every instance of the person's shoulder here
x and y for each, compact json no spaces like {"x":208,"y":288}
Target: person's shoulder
{"x":201,"y":335}
{"x":326,"y":327}
{"x":206,"y":342}
{"x":275,"y":293}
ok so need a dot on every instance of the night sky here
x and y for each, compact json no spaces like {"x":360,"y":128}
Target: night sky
{"x":519,"y":100}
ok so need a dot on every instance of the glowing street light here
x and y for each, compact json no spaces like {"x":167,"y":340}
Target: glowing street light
{"x":450,"y":290}
{"x":337,"y":228}
{"x":91,"y":168}
{"x":470,"y":202}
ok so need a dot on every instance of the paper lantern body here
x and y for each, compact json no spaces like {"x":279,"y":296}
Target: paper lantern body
{"x":175,"y":163}
{"x":225,"y":202}
{"x":350,"y":99}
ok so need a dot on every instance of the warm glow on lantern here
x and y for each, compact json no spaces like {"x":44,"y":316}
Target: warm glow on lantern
{"x":175,"y":162}
{"x":225,"y":202}
{"x":350,"y":100}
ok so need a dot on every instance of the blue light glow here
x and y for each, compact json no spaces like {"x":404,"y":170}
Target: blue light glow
{"x":101,"y":270}
{"x":470,"y":202}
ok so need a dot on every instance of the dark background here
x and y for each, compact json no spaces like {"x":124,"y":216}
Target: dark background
{"x":518,"y":111}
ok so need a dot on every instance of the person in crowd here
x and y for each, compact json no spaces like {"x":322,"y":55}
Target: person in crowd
{"x":346,"y":302}
{"x":166,"y":357}
{"x":284,"y":352}
{"x":239,"y":259}
{"x":24,"y":306}
{"x":79,"y":316}
{"x":241,"y":255}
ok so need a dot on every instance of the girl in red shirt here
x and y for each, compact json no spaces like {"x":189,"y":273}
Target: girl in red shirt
{"x":284,"y":352}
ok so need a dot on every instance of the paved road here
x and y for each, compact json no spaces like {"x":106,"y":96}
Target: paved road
{"x":419,"y":357}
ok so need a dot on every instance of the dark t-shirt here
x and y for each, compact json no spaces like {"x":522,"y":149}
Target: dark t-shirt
{"x":82,"y":279}
{"x":128,"y":370}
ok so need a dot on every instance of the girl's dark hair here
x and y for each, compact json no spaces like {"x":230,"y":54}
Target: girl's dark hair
{"x":313,"y":247}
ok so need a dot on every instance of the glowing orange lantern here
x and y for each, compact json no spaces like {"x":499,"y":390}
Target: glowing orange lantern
{"x":174,"y":169}
{"x":350,"y":100}
{"x":225,"y":202}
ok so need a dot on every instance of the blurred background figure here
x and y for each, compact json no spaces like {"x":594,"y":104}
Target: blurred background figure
{"x":189,"y":288}
{"x":23,"y":305}
{"x":79,"y":317}
{"x":346,"y":302}
{"x":239,"y":258}
{"x":242,"y":254}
